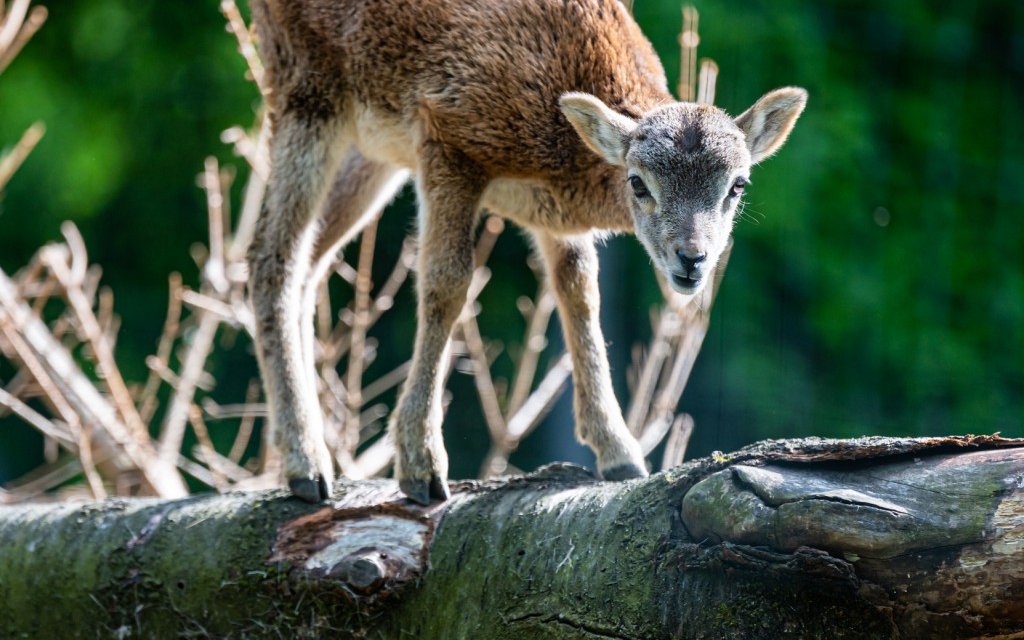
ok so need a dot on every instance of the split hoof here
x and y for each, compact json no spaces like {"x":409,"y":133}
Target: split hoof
{"x":311,"y":490}
{"x":626,"y":471}
{"x":421,"y":492}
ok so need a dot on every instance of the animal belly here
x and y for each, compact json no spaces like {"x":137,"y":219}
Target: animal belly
{"x":384,"y":137}
{"x":528,"y":204}
{"x":533,"y":205}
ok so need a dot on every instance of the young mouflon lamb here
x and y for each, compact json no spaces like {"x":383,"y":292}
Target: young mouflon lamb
{"x":554,"y":114}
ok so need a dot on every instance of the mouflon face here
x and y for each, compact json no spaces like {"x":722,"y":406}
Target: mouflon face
{"x":687,"y":166}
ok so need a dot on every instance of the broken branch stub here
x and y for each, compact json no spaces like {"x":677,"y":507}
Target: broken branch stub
{"x":373,"y":550}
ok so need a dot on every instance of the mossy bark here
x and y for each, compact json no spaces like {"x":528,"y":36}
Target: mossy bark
{"x":870,"y":538}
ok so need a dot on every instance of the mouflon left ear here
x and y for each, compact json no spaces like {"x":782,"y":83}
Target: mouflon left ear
{"x":767,"y":124}
{"x":605,"y":131}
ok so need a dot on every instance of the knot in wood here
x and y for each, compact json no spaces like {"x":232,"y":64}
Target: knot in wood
{"x":364,"y":573}
{"x":373,"y":550}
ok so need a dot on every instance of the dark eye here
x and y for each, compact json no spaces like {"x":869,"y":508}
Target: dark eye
{"x":639,"y":188}
{"x":737,"y":187}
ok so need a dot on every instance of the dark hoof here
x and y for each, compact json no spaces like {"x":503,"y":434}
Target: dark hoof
{"x":439,"y":489}
{"x":415,"y":490}
{"x":310,"y":489}
{"x":421,"y":492}
{"x":624,"y":472}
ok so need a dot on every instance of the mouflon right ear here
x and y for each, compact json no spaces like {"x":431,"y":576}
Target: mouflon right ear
{"x":605,"y":131}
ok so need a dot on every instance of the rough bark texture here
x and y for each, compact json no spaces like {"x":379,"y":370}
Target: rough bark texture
{"x":867,"y":538}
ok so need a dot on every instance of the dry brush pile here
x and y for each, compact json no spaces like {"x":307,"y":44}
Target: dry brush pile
{"x":108,"y":435}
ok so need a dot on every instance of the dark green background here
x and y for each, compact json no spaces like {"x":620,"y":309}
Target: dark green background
{"x":881,"y":289}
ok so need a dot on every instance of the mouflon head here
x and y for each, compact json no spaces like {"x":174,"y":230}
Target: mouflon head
{"x":687,"y":166}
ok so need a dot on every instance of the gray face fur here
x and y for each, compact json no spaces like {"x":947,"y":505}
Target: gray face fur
{"x":687,"y":165}
{"x":683,"y":162}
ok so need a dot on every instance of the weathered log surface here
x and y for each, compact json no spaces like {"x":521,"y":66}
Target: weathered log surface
{"x":866,"y":538}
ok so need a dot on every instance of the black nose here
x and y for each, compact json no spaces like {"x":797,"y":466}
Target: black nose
{"x":690,"y":262}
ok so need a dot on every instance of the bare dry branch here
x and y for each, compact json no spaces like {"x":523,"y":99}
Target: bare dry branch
{"x":660,"y":348}
{"x":375,"y":459}
{"x":70,"y":274}
{"x":243,"y":410}
{"x":22,"y":28}
{"x":399,"y":274}
{"x":688,"y":41}
{"x":534,"y":343}
{"x":482,"y":378}
{"x":236,"y":25}
{"x":526,"y":419}
{"x":173,"y":428}
{"x":92,"y":476}
{"x":214,"y":271}
{"x":387,"y":381}
{"x":167,"y":375}
{"x":678,"y":439}
{"x":203,"y":303}
{"x":707,"y":82}
{"x":206,"y":448}
{"x":339,"y":342}
{"x":252,"y":201}
{"x":541,"y":400}
{"x":71,"y":392}
{"x":361,"y":319}
{"x":245,"y":426}
{"x":13,"y":18}
{"x":10,"y":162}
{"x":37,"y":420}
{"x":196,"y":470}
{"x":105,"y":316}
{"x":493,"y":227}
{"x":40,"y":480}
{"x":148,"y":399}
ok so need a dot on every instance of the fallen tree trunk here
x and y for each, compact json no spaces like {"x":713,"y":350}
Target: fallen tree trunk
{"x":873,"y":537}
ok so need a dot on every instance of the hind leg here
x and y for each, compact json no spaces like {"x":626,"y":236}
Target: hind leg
{"x":305,"y":150}
{"x":361,"y":190}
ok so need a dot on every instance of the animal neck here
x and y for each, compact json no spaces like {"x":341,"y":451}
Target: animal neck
{"x":610,"y":204}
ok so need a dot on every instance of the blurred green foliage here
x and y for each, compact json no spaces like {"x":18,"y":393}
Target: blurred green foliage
{"x":877,"y":284}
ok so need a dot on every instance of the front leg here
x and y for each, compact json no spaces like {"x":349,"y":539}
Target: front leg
{"x":572,"y":269}
{"x":449,"y":189}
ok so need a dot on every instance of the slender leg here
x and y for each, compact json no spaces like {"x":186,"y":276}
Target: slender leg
{"x":571,"y":264}
{"x":361,"y":190}
{"x":449,"y":189}
{"x":304,"y":155}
